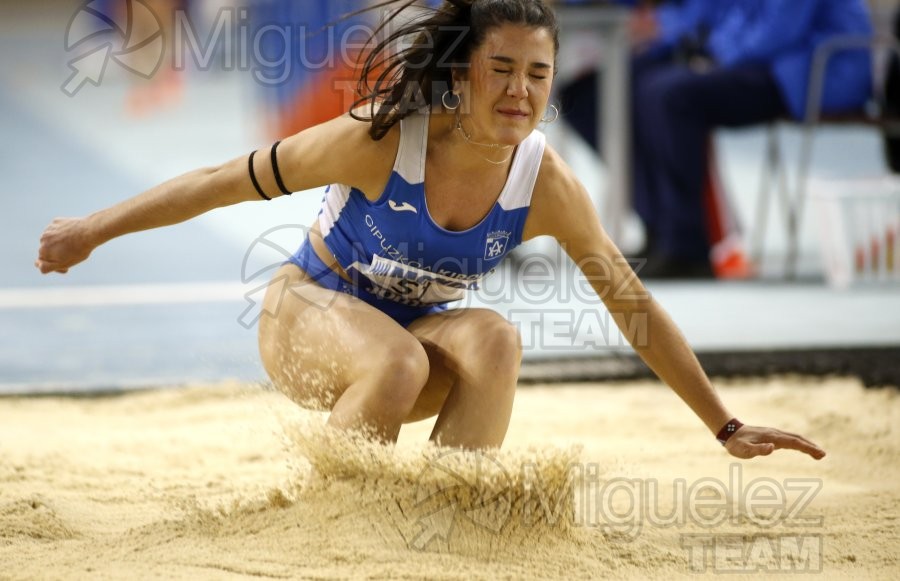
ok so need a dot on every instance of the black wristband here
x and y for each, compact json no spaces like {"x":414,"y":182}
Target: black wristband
{"x":259,"y":190}
{"x":277,"y":173}
{"x":728,"y":430}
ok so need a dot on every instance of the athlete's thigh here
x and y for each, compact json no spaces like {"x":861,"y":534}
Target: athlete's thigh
{"x":446,"y":336}
{"x":453,"y":332}
{"x":315,"y":342}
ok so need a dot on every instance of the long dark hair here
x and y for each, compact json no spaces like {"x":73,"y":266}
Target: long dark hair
{"x":412,"y":66}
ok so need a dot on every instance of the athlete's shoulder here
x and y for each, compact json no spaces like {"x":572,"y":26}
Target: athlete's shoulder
{"x":559,"y":198}
{"x":340,"y":150}
{"x":555,"y":177}
{"x":353,"y":131}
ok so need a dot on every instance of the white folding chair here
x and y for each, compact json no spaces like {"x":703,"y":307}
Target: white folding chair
{"x":774,"y":178}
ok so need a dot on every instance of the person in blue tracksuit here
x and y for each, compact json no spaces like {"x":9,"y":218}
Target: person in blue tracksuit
{"x":725,"y":63}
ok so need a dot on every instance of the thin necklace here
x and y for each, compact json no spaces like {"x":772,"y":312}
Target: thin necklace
{"x":468,"y":139}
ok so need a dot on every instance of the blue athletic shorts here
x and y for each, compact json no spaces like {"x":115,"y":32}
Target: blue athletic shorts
{"x":307,"y":259}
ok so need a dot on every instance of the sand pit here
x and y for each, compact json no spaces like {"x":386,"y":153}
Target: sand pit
{"x":611,"y":480}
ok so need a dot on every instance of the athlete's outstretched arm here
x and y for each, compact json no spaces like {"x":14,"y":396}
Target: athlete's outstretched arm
{"x":562,"y":208}
{"x":309,"y":159}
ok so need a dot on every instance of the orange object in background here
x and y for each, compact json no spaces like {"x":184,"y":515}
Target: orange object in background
{"x":329,"y":94}
{"x":165,"y":87}
{"x":727,"y":255}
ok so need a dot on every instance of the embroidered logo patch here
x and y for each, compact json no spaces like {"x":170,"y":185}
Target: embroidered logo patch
{"x":495,"y":246}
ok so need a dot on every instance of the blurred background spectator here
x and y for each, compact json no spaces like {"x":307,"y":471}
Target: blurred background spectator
{"x":702,"y":64}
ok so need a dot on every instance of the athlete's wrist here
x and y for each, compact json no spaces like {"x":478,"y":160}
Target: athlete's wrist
{"x":95,"y":229}
{"x":728,"y":430}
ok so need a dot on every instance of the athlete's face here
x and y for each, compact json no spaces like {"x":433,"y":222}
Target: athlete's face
{"x":507,"y":88}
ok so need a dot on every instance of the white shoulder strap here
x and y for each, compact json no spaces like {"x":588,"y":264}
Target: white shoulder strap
{"x":524,"y":172}
{"x":410,"y":162}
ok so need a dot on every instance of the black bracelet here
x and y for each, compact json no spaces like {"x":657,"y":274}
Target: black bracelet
{"x":728,"y":430}
{"x":277,"y":173}
{"x":259,"y":190}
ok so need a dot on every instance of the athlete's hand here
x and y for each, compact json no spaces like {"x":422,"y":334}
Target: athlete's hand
{"x":751,"y":441}
{"x":64,"y":243}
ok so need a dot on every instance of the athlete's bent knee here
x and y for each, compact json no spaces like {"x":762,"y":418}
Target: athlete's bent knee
{"x":498,"y":344}
{"x":400,"y":372}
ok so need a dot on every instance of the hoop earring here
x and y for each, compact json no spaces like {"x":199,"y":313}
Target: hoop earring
{"x":454,"y":102}
{"x":555,"y":115}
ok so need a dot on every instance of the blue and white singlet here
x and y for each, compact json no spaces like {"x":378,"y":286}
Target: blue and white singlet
{"x":402,"y":262}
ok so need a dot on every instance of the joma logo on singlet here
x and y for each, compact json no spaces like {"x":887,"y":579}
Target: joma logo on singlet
{"x":404,"y":207}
